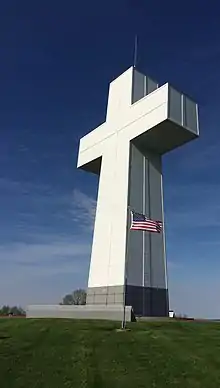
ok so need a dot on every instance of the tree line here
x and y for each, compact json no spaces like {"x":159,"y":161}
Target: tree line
{"x":77,"y":297}
{"x":14,"y":310}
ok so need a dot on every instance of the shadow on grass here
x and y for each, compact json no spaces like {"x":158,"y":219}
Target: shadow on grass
{"x":4,"y":337}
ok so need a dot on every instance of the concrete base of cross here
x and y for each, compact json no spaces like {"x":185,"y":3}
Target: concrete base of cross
{"x":109,"y":312}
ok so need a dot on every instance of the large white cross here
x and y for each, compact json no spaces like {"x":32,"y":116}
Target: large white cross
{"x":155,"y":124}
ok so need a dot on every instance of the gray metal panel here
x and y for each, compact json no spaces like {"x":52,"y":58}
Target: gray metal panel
{"x":157,"y":264}
{"x":135,"y":240}
{"x":138,"y":87}
{"x":142,"y":85}
{"x":190,"y":114}
{"x":148,"y":301}
{"x":154,"y":169}
{"x":146,"y":236}
{"x":175,"y":105}
{"x":146,"y":197}
{"x":150,"y":85}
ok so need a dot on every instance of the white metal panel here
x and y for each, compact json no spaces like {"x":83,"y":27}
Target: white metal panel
{"x":119,"y":99}
{"x":148,"y":104}
{"x":98,"y":135}
{"x":120,"y":202}
{"x":95,"y":136}
{"x":146,"y":122}
{"x":98,"y":274}
{"x":90,"y":154}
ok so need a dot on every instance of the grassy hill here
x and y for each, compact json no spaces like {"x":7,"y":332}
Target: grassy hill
{"x":67,"y":353}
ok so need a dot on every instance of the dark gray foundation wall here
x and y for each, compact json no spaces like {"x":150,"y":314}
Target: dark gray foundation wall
{"x":146,"y":301}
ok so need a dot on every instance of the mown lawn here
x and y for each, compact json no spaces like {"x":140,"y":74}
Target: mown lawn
{"x":67,"y":353}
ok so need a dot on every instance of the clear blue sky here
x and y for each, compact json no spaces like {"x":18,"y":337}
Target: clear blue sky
{"x":57,"y":59}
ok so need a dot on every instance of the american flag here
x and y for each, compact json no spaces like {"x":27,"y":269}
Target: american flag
{"x":141,"y":222}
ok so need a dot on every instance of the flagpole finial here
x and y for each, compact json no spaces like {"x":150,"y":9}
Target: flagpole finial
{"x":135,"y":50}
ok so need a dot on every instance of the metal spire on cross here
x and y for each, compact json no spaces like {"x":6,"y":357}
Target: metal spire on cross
{"x":135,"y":50}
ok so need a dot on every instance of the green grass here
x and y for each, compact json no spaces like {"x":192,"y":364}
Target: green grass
{"x":68,"y":353}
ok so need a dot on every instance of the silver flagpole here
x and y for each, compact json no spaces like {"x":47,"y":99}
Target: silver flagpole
{"x":123,"y":323}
